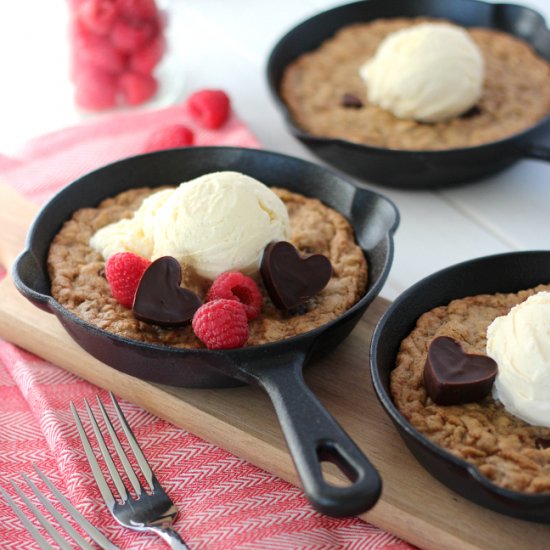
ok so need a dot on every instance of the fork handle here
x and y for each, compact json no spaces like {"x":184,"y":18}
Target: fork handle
{"x":170,"y":537}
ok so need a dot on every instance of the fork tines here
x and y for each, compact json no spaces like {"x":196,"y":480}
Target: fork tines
{"x":96,"y":470}
{"x":144,"y":510}
{"x":48,"y":526}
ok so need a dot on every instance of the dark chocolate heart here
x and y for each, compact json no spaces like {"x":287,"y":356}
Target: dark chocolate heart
{"x":541,"y":443}
{"x":289,"y":279}
{"x":160,"y":299}
{"x":350,"y":100}
{"x":452,"y":376}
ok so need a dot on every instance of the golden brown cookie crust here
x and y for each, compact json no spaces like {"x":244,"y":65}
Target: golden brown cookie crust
{"x":78,"y":282}
{"x":503,"y":447}
{"x":516,"y":92}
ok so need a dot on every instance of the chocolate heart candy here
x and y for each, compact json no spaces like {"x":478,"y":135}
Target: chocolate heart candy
{"x":350,"y":100}
{"x":289,"y":279}
{"x":452,"y":376}
{"x":541,"y":443}
{"x":160,"y":299}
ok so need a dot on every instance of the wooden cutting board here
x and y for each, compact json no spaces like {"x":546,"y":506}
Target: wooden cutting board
{"x":413,"y":505}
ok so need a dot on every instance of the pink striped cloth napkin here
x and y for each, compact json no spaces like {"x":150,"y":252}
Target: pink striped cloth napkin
{"x":224,"y":501}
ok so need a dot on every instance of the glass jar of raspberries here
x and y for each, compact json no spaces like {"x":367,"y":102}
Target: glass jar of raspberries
{"x":116,"y":45}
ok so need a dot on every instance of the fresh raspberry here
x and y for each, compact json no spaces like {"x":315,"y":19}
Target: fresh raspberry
{"x":233,"y":285}
{"x":210,"y":108}
{"x":137,"y":9}
{"x":130,"y":36}
{"x":96,"y":50}
{"x":137,"y":88}
{"x":168,"y":137}
{"x":123,"y":271}
{"x":98,"y":16}
{"x":95,"y":89}
{"x":221,"y":324}
{"x":145,"y":60}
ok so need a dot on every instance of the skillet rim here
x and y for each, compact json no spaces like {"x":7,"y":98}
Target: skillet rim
{"x":403,"y":425}
{"x":272,"y":66}
{"x":54,"y":307}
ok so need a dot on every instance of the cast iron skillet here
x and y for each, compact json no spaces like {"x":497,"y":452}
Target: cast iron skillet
{"x":509,"y":272}
{"x":405,"y":168}
{"x":312,"y":434}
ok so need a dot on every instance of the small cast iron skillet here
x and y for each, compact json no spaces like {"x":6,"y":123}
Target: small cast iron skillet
{"x":509,"y":272}
{"x":410,"y":169}
{"x":312,"y":434}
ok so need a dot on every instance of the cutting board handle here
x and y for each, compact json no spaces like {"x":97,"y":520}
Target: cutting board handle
{"x":16,"y":215}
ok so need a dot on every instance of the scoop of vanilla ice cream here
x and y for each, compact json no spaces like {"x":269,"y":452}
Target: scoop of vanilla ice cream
{"x":134,"y":234}
{"x":215,"y":223}
{"x":429,"y":72}
{"x":519,"y":342}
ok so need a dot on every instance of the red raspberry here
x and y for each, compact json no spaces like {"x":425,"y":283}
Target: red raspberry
{"x":98,"y":16}
{"x":96,"y":50}
{"x":137,"y":88}
{"x":137,"y":9}
{"x":210,"y":108}
{"x":175,"y":135}
{"x":145,"y":60}
{"x":233,"y":285}
{"x":95,"y":89}
{"x":130,"y":36}
{"x":221,"y":324}
{"x":123,"y":271}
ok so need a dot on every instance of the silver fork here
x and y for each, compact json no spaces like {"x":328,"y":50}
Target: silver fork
{"x":151,"y":511}
{"x":54,"y":533}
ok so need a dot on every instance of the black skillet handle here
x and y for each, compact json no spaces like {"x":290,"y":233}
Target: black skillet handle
{"x":535,"y":151}
{"x":314,"y":436}
{"x":26,"y":271}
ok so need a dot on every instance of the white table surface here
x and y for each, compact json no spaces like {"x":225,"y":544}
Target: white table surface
{"x":225,"y":44}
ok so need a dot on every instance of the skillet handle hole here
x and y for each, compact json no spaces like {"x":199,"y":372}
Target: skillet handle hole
{"x":336,"y":470}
